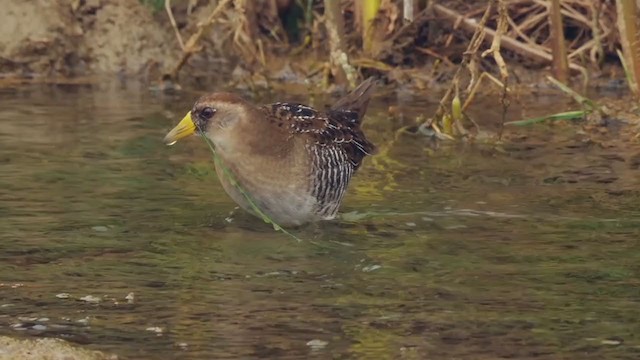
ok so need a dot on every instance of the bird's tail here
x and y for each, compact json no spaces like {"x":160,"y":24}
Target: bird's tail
{"x":358,"y":99}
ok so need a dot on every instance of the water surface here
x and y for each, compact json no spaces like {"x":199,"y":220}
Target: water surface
{"x":114,"y":241}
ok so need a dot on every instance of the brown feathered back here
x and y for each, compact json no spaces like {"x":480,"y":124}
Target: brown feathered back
{"x":337,"y":127}
{"x":333,"y":141}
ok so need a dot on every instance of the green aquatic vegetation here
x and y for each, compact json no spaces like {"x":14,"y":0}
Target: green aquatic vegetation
{"x":568,"y":115}
{"x":588,"y":106}
{"x":585,"y":102}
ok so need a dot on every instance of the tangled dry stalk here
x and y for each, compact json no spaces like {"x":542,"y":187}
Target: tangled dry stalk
{"x":193,"y":44}
{"x":573,"y":35}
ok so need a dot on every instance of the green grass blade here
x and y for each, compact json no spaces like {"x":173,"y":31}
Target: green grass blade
{"x":577,"y":97}
{"x":569,"y":115}
{"x":247,"y":196}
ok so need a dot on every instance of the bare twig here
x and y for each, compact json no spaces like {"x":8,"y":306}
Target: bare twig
{"x":495,"y":44}
{"x":191,"y":47}
{"x":435,"y":55}
{"x":167,"y":7}
{"x":472,"y":93}
{"x":521,"y":34}
{"x":533,"y":21}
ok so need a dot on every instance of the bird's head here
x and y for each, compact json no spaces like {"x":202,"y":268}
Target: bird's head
{"x":215,"y":116}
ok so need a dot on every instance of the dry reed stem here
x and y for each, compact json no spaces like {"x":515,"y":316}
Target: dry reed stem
{"x":560,"y":64}
{"x":630,"y":40}
{"x":341,"y":69}
{"x":408,"y":10}
{"x":594,"y":46}
{"x":522,"y":35}
{"x":534,"y":21}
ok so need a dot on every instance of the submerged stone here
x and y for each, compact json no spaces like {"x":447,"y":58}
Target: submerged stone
{"x":18,"y":349}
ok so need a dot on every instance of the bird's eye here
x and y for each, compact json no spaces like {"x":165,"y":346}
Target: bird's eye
{"x":207,"y":113}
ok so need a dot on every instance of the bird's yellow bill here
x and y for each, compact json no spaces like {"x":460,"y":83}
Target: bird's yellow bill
{"x":184,"y":128}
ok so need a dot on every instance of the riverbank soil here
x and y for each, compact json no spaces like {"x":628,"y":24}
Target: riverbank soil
{"x":79,"y":38}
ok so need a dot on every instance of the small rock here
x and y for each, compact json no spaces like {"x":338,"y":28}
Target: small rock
{"x":100,"y":228}
{"x":155,"y":329}
{"x":411,"y":224}
{"x":59,"y":326}
{"x":271,"y":273}
{"x":63,"y":296}
{"x":47,"y":348}
{"x":611,"y":341}
{"x":131,"y":298}
{"x":84,"y":321}
{"x":43,"y":319}
{"x":371,"y":268}
{"x":342,"y":243}
{"x":353,"y":216}
{"x":39,"y":327}
{"x":91,"y":299}
{"x":317,"y":344}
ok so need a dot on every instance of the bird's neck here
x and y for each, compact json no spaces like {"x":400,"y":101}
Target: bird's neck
{"x":260,"y":138}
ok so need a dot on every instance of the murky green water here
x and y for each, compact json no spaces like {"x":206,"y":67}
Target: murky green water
{"x":466,"y":252}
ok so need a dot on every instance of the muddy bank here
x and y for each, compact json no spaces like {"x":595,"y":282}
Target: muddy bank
{"x":82,"y":37}
{"x":46,"y":349}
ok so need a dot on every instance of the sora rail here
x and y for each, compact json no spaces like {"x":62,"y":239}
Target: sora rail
{"x":291,"y":161}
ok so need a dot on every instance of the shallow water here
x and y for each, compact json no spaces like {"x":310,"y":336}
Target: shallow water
{"x":526,"y":250}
